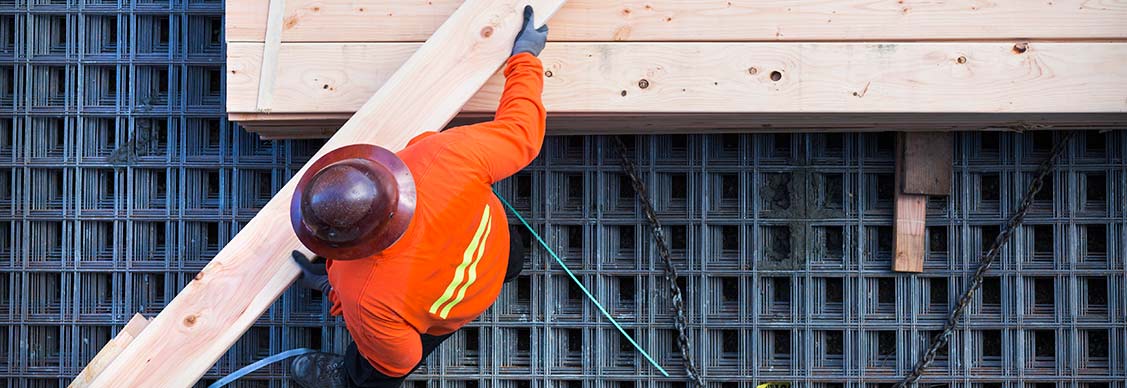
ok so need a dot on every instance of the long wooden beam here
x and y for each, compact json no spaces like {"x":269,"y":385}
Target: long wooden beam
{"x":291,"y":126}
{"x":705,"y":20}
{"x":252,"y":270}
{"x":585,"y":78}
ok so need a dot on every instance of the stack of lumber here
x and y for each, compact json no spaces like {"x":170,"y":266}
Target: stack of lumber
{"x":300,"y":68}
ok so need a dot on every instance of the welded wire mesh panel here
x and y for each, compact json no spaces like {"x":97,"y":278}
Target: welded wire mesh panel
{"x":120,"y":178}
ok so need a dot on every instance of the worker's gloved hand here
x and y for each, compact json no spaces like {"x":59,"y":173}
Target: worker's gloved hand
{"x":314,"y":276}
{"x":530,"y":39}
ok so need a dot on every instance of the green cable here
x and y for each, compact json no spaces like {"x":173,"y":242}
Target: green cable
{"x":580,"y":284}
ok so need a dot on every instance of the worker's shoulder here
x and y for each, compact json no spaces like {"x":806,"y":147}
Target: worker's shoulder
{"x":442,"y":154}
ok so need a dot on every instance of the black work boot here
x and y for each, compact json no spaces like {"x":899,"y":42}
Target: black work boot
{"x":319,"y":370}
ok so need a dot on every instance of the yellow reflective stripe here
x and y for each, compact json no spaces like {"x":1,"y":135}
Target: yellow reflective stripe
{"x":467,"y":257}
{"x":473,"y":274}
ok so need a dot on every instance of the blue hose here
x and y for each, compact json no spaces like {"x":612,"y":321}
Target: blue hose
{"x":246,"y":370}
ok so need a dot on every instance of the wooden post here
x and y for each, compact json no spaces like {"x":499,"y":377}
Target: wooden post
{"x":923,"y":167}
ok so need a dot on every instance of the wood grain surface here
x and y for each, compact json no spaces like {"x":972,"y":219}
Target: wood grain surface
{"x":969,"y":77}
{"x":705,"y":20}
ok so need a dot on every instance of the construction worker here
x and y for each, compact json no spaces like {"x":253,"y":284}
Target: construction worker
{"x":415,"y":243}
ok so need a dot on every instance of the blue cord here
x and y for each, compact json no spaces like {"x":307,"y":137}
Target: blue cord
{"x":580,"y":284}
{"x":258,"y":365}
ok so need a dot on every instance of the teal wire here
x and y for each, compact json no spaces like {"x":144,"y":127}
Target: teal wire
{"x":580,"y":284}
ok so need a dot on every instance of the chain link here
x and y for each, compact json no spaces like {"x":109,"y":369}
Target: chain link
{"x":988,"y":258}
{"x":680,"y":321}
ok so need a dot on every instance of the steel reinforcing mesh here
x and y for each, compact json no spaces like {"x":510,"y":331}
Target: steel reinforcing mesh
{"x":120,"y":178}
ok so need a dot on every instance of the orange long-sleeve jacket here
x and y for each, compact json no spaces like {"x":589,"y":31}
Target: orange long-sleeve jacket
{"x":449,"y":265}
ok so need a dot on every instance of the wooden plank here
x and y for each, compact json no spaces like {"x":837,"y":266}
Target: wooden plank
{"x":269,"y":62}
{"x":927,"y":165}
{"x":110,"y":351}
{"x":909,"y":221}
{"x":254,"y":268}
{"x":852,"y":121}
{"x":280,"y":126}
{"x":135,"y":325}
{"x":966,"y":77}
{"x":706,"y":20}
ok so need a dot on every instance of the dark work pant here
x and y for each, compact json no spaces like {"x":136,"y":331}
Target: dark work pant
{"x":361,"y":373}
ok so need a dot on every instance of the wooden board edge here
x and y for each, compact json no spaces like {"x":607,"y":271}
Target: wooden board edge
{"x":110,"y":351}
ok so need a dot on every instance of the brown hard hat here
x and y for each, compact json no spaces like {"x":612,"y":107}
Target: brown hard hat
{"x":353,"y":202}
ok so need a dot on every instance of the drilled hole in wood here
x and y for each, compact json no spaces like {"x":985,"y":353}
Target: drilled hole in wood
{"x":548,"y":74}
{"x":961,"y":60}
{"x":643,"y":84}
{"x":776,"y":76}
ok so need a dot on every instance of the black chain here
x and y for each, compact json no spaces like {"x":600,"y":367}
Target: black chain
{"x":680,"y":321}
{"x":988,"y":258}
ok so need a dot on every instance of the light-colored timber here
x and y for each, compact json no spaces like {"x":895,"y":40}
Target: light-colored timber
{"x":705,"y":20}
{"x":589,"y":78}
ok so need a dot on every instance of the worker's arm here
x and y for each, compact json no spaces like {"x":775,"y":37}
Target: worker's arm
{"x":513,"y":139}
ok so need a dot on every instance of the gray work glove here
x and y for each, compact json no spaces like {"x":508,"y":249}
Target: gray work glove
{"x":314,"y":276}
{"x":530,"y":39}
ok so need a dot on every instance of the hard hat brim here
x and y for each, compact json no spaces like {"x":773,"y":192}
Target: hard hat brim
{"x":378,"y":239}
